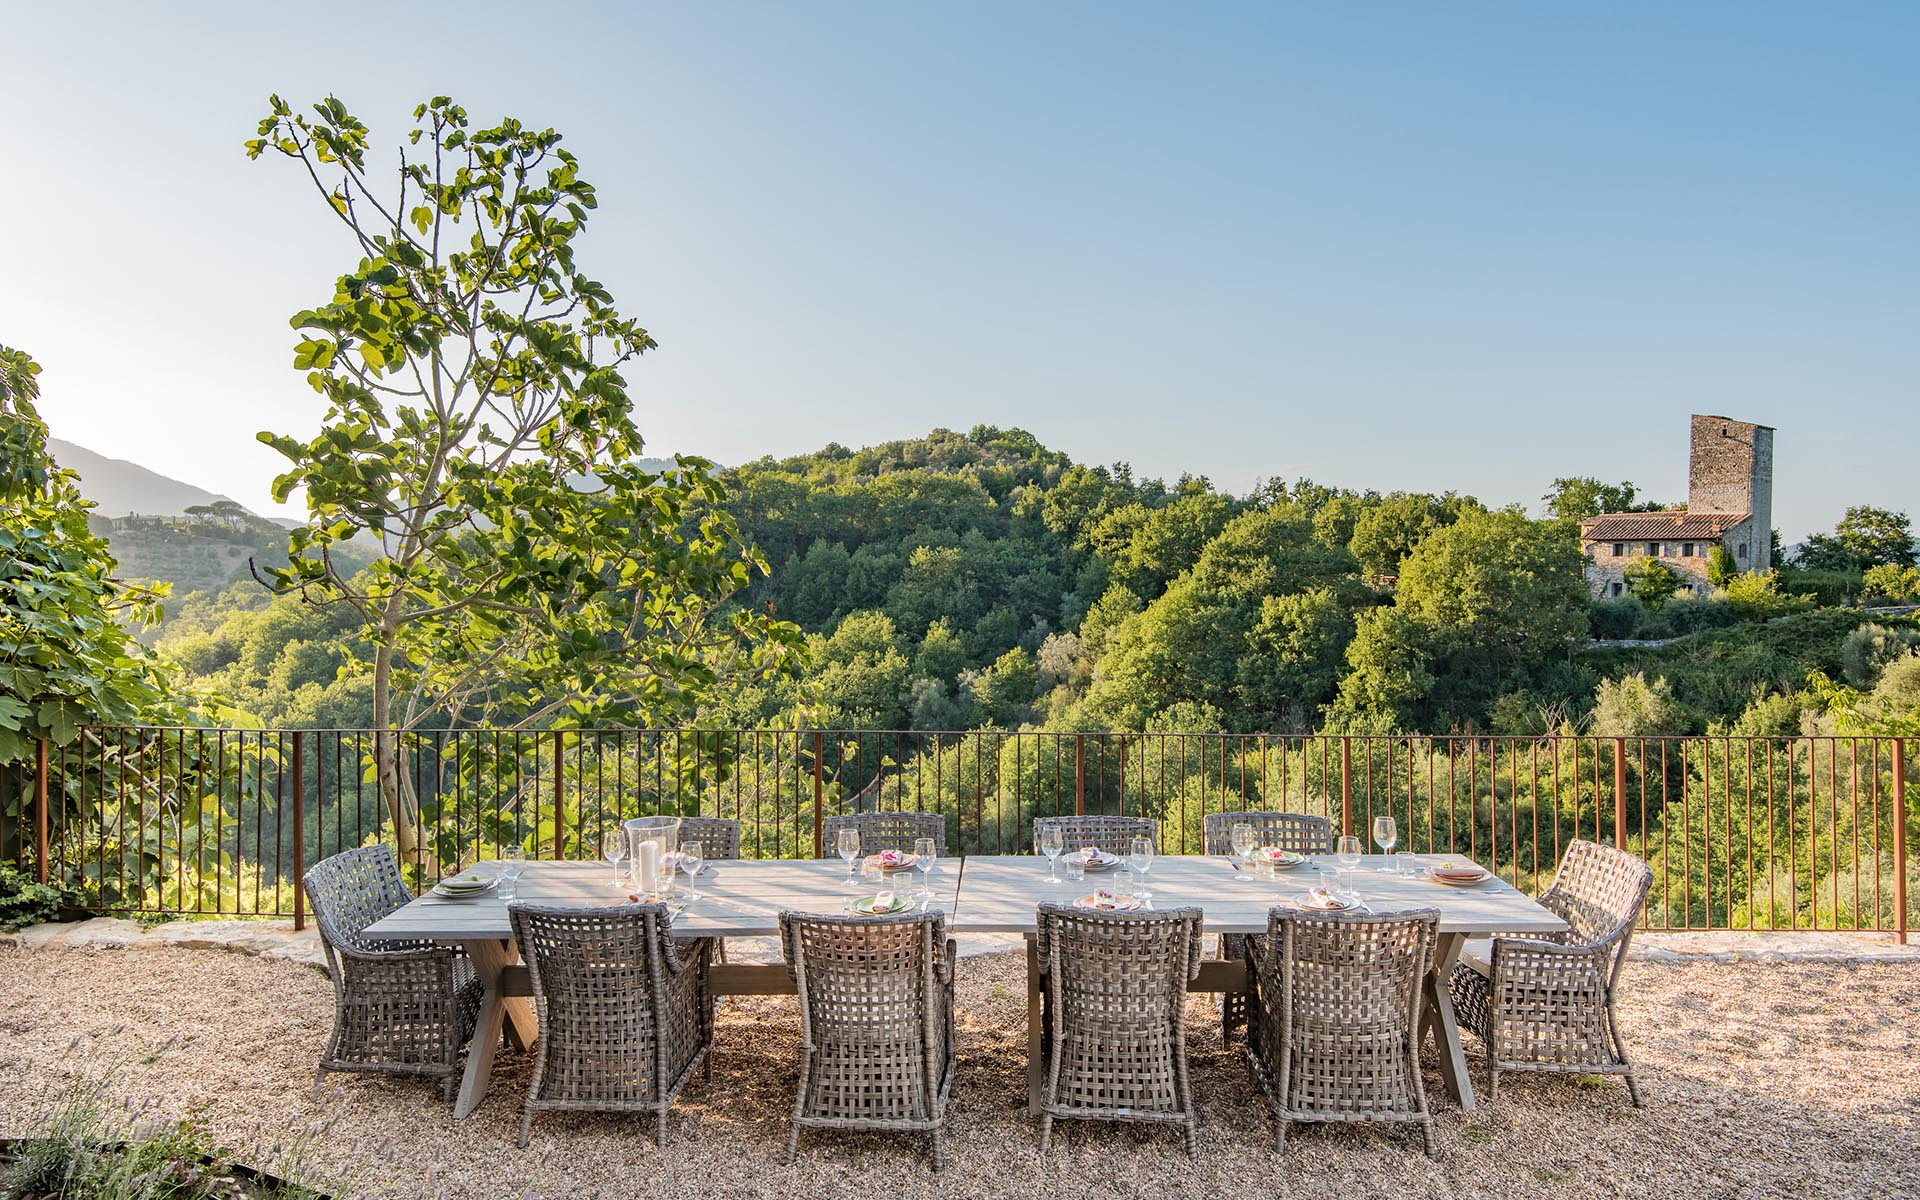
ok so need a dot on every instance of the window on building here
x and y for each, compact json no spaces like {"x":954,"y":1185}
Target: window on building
{"x":1653,"y":549}
{"x":1616,"y":587}
{"x":1619,"y":549}
{"x":1686,"y":550}
{"x":1743,"y":552}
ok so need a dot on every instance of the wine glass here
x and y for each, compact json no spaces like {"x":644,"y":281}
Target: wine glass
{"x":848,"y":844}
{"x":1243,"y":841}
{"x":1347,"y":853}
{"x":1385,"y":834}
{"x":1139,"y":862}
{"x":613,"y":848}
{"x":925,"y":854}
{"x":1052,"y":841}
{"x":689,"y":861}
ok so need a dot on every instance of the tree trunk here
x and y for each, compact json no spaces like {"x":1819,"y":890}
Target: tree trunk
{"x":386,"y":755}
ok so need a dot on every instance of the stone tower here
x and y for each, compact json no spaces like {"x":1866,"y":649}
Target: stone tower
{"x":1731,"y":471}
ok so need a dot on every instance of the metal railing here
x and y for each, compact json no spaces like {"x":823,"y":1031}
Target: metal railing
{"x":1742,"y":833}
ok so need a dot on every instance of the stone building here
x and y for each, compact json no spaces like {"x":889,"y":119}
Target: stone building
{"x":1729,"y":503}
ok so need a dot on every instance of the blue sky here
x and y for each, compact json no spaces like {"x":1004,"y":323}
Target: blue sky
{"x":1397,"y":246}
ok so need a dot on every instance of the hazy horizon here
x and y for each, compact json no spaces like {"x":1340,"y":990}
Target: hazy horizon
{"x":1395,"y":247}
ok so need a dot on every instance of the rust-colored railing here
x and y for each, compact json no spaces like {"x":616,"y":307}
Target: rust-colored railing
{"x":1742,"y":833}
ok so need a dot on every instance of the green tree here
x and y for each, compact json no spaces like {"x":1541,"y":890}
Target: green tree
{"x":1385,"y":533}
{"x":1720,"y":565}
{"x":67,"y":656}
{"x":860,"y":679}
{"x":1877,"y":536}
{"x":1005,"y":692}
{"x":1488,"y":605}
{"x":479,"y":430}
{"x":1652,"y":582}
{"x":1579,"y":497}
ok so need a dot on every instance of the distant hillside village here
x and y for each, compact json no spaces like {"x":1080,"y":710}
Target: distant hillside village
{"x":1729,"y":504}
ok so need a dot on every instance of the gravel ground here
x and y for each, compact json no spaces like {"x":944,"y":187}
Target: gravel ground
{"x":1763,"y":1080}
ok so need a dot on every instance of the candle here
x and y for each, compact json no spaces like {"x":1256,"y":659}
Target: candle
{"x":647,"y":865}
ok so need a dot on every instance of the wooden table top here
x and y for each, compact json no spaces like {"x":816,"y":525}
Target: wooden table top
{"x":741,"y":898}
{"x":998,"y":894}
{"x":982,"y":894}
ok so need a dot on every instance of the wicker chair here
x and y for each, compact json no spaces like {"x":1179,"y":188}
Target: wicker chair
{"x":717,"y":837}
{"x":1334,"y":1031}
{"x":402,"y":1007}
{"x":886,"y":831}
{"x":1111,"y":834}
{"x":876,"y":1023}
{"x":1302,"y":833}
{"x":1546,"y":1003}
{"x":625,"y":1014}
{"x":1115,"y":1004}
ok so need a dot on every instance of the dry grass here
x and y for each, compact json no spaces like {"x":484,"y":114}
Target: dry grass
{"x":1764,"y":1080}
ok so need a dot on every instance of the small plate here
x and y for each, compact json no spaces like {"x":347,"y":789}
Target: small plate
{"x":1460,"y":880}
{"x":461,"y":889}
{"x":675,"y":905}
{"x":1106,"y":862}
{"x":1288,"y":861}
{"x":903,"y":863}
{"x":863,"y":906}
{"x":1305,"y":903}
{"x":1119,"y":904}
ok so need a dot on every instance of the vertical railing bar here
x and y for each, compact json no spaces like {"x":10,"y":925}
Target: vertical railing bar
{"x":1900,"y":840}
{"x":299,"y":837}
{"x":1833,"y":824}
{"x":559,"y":796}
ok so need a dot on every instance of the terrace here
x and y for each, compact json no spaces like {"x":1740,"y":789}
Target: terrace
{"x":1786,"y":1069}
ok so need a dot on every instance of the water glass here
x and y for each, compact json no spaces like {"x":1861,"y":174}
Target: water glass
{"x":1385,"y":836}
{"x":1052,"y":842}
{"x":1347,"y":852}
{"x":512,"y":862}
{"x":848,"y":846}
{"x":925,"y":855}
{"x":1139,"y":862}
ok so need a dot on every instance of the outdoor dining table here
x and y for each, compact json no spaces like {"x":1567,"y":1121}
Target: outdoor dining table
{"x":736,"y":898}
{"x":981,"y":894}
{"x":998,"y":895}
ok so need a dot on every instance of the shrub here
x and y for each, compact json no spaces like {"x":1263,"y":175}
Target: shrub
{"x":1891,"y":582}
{"x":1756,"y":594}
{"x":1828,"y":589}
{"x":1633,"y":707}
{"x":24,"y":902}
{"x":1687,"y":613}
{"x":1614,"y":618}
{"x":1865,"y":652}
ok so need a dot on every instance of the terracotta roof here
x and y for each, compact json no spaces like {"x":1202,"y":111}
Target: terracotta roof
{"x":1667,"y":526}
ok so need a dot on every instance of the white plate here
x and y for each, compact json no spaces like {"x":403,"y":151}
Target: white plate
{"x":1120,"y":904}
{"x":862,"y":906}
{"x":1304,"y":902}
{"x":465,"y":892}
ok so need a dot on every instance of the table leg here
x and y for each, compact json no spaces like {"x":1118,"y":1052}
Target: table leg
{"x":1036,"y":1067}
{"x":497,"y":1012}
{"x":1439,"y":1018}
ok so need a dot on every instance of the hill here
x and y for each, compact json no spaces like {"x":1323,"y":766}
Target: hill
{"x":121,"y":488}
